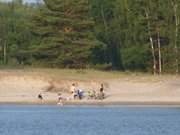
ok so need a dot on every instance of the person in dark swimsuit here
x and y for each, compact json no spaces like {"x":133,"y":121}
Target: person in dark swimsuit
{"x":40,"y":96}
{"x":101,"y":94}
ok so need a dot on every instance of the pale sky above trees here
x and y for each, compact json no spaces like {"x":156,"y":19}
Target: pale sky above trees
{"x":24,"y":0}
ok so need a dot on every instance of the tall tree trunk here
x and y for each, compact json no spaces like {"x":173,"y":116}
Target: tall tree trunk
{"x":5,"y":53}
{"x":175,"y":7}
{"x":152,"y":44}
{"x":126,"y":5}
{"x":1,"y":46}
{"x":159,"y":52}
{"x":107,"y":57}
{"x":104,"y":19}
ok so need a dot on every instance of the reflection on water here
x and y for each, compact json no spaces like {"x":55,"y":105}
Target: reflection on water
{"x":54,"y":120}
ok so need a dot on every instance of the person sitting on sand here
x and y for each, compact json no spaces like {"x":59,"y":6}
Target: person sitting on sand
{"x":80,"y":93}
{"x":92,"y":94}
{"x":40,"y":96}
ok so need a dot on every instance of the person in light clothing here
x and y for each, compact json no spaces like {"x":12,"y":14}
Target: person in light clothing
{"x":73,"y":91}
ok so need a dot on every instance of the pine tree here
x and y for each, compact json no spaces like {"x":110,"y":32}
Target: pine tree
{"x":66,"y":32}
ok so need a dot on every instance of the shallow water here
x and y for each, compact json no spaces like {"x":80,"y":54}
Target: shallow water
{"x":54,"y":120}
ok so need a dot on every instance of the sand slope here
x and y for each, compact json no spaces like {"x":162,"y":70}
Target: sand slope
{"x":19,"y":87}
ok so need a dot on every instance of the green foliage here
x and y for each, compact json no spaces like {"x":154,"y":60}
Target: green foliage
{"x":66,"y":33}
{"x":136,"y":58}
{"x":107,"y":31}
{"x":15,"y":32}
{"x":103,"y":34}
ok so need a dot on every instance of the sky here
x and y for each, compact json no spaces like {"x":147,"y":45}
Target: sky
{"x":29,"y":1}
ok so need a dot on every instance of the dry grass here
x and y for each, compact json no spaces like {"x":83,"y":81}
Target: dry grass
{"x":84,"y":75}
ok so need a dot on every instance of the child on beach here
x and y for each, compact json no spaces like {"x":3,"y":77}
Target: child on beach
{"x":60,"y":99}
{"x":80,"y":93}
{"x":92,"y":94}
{"x":40,"y":96}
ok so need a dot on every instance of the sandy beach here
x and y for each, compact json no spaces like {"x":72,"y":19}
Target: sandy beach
{"x":23,"y":86}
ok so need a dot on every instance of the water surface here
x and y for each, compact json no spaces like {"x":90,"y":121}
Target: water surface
{"x":55,"y":120}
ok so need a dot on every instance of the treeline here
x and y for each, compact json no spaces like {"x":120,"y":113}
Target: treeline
{"x":135,"y":35}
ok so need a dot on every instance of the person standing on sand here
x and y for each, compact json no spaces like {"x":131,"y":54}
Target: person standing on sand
{"x":102,"y":88}
{"x":101,"y":94}
{"x":60,"y":99}
{"x":73,"y":91}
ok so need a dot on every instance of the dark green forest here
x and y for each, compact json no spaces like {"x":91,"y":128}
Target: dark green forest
{"x":125,"y":35}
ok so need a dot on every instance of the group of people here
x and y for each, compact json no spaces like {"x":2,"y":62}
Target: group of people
{"x":97,"y":95}
{"x":91,"y":94}
{"x":79,"y":94}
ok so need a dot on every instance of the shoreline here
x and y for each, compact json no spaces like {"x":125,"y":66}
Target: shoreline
{"x":98,"y":103}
